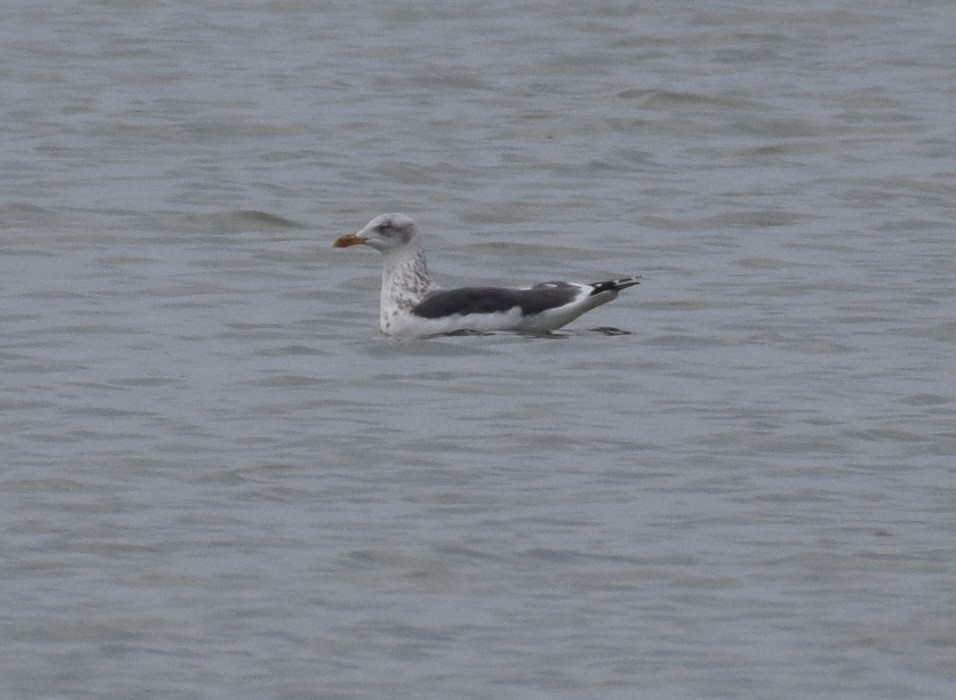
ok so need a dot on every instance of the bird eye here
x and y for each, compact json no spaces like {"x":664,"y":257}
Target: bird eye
{"x":382,"y":228}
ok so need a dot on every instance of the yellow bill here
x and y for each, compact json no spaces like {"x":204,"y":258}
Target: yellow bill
{"x":347,"y":240}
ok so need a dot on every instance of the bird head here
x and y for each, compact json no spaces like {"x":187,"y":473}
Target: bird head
{"x":384,"y":233}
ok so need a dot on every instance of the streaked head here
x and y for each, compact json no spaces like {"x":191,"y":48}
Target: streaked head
{"x":384,"y":233}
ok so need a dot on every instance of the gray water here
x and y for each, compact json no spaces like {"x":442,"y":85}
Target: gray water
{"x":219,"y":481}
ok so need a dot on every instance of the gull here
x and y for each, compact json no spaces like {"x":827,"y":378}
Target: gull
{"x":414,"y":306}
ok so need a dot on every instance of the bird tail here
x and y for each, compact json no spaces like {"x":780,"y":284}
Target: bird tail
{"x":614,"y":285}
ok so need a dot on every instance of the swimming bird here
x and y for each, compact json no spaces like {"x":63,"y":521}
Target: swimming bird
{"x":413,"y":305}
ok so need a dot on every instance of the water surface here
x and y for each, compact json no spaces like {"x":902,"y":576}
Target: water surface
{"x":219,"y":481}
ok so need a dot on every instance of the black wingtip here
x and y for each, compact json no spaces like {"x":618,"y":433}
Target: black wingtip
{"x":615,"y":285}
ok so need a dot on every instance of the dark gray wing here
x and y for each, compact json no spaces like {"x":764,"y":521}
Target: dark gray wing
{"x":489,"y":300}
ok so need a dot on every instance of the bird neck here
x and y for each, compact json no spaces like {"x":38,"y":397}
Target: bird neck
{"x":405,"y":280}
